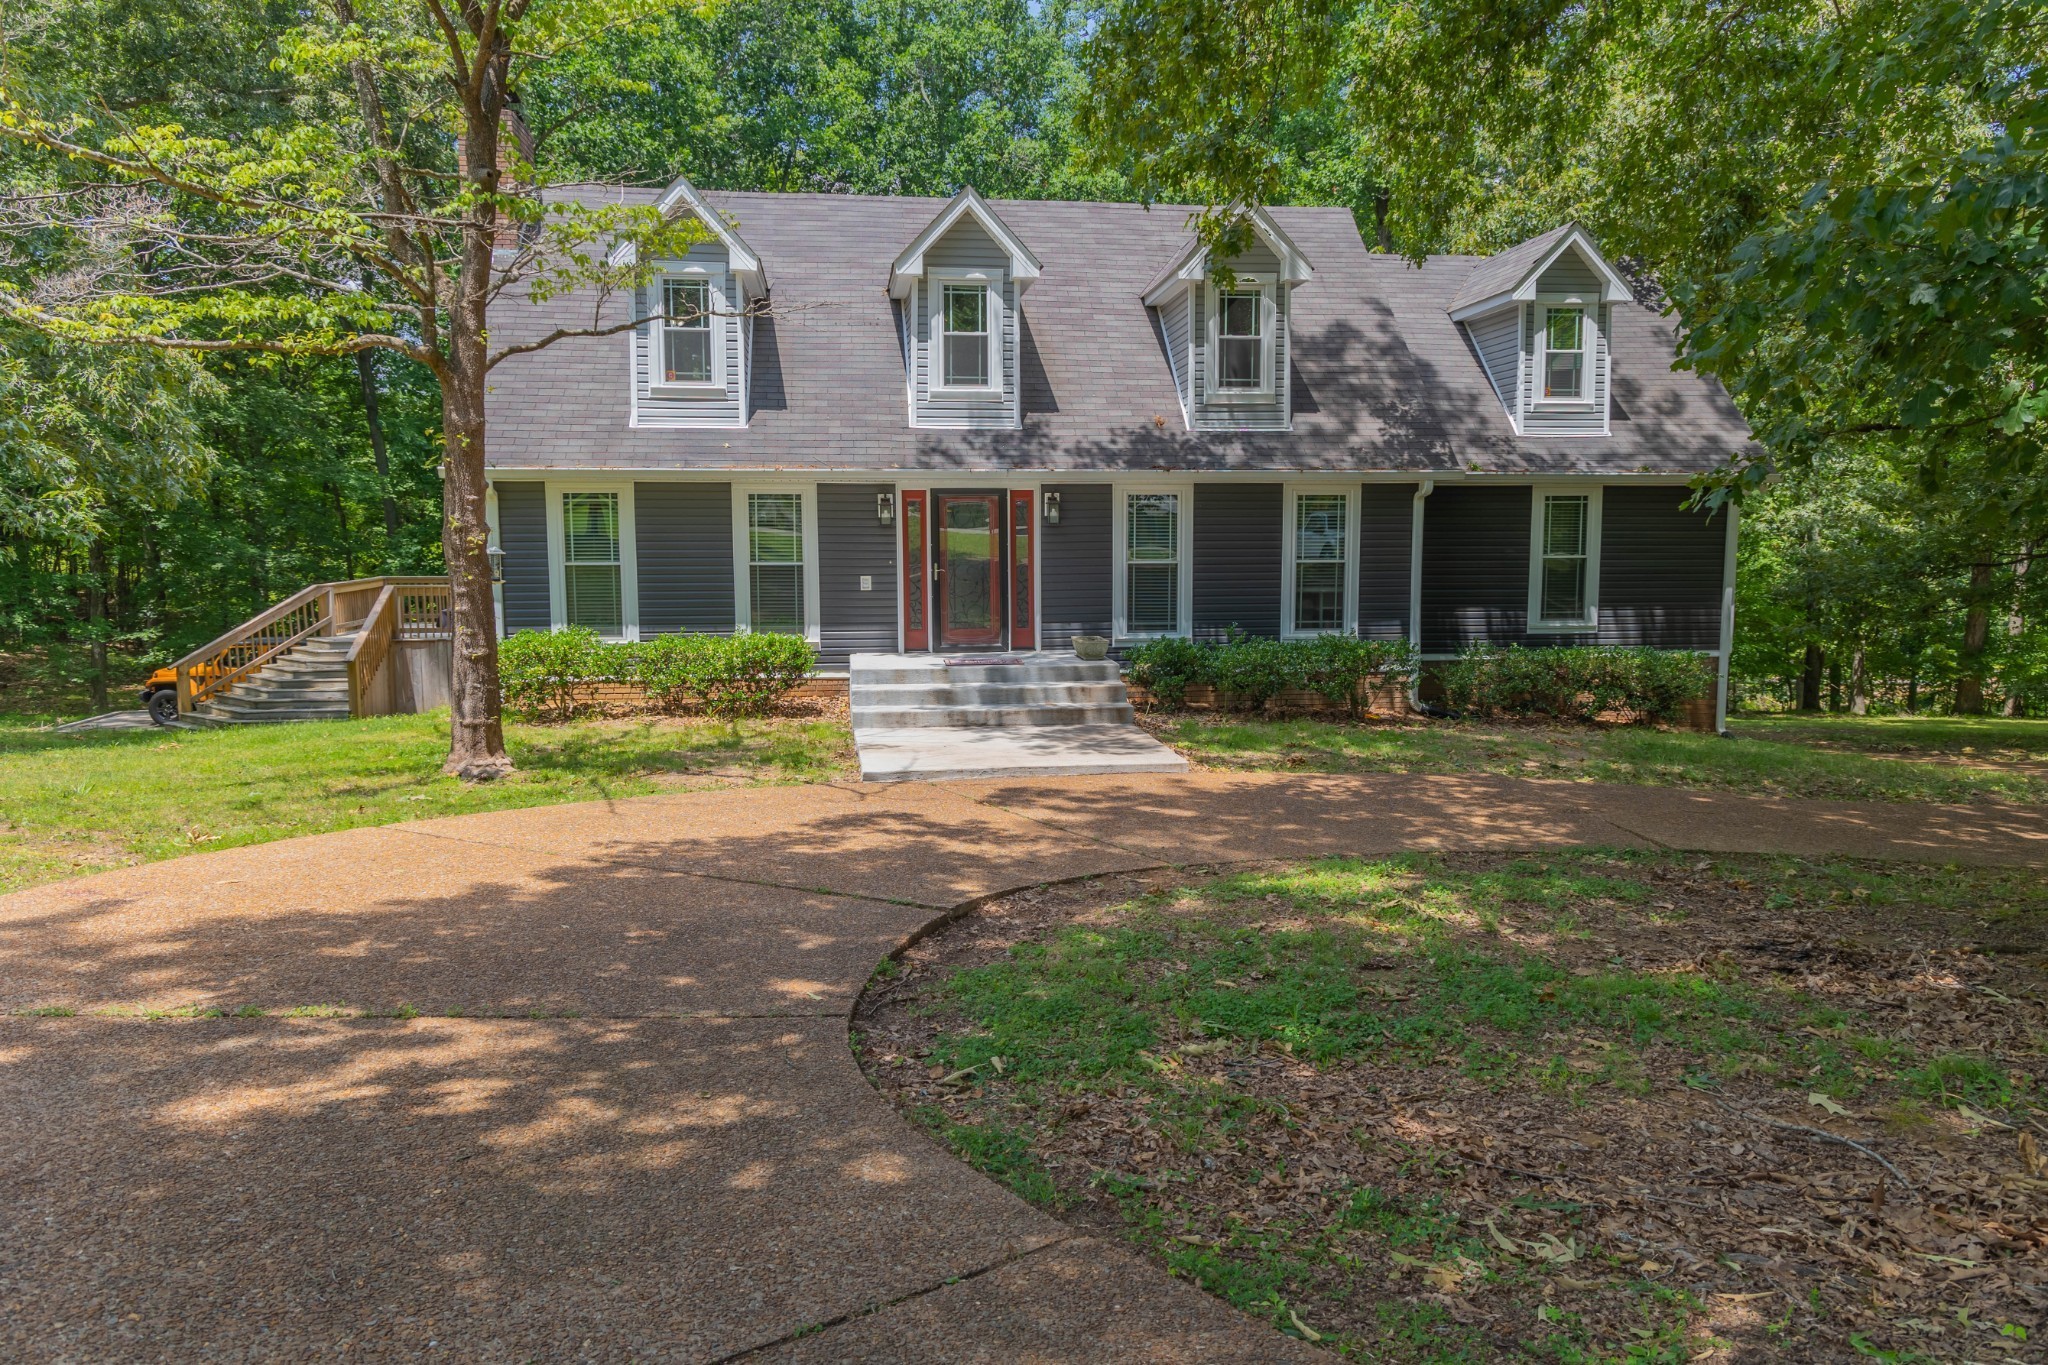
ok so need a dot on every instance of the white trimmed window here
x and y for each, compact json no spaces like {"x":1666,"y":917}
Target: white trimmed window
{"x":1153,"y":576}
{"x":1564,"y":368}
{"x":966,"y":331}
{"x":1240,"y":339}
{"x":1319,"y":591}
{"x":1564,"y":560}
{"x":593,"y":592}
{"x":775,"y":563}
{"x":689,"y":356}
{"x":1241,"y":323}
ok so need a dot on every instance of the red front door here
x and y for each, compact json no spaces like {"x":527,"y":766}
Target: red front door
{"x":967,"y":541}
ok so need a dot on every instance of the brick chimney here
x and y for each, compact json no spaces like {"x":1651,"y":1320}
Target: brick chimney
{"x":512,"y":133}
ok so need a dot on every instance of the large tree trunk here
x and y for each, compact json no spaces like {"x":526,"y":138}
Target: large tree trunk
{"x":476,"y":742}
{"x":1809,"y":678}
{"x":476,"y":746}
{"x":1859,"y":682}
{"x":1976,"y":638}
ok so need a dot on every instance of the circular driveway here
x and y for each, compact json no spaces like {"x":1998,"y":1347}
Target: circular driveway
{"x":572,"y":1082}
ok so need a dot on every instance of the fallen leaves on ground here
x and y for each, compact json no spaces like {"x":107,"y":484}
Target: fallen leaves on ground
{"x":1410,"y":1211}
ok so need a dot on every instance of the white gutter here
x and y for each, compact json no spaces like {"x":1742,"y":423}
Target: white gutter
{"x":1422,"y":490}
{"x":1727,"y":621}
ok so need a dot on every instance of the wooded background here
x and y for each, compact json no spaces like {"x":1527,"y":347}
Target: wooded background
{"x":1842,"y":201}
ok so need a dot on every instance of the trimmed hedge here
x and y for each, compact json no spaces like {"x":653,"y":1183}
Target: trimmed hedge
{"x":1576,"y":683}
{"x":1250,"y":672}
{"x":549,"y":674}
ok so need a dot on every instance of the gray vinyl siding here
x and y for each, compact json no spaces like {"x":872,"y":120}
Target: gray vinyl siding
{"x":523,"y":536}
{"x":729,"y":411}
{"x":1660,"y":570}
{"x":1386,"y":526}
{"x":852,"y":542}
{"x":1074,"y":575}
{"x":1237,"y":559}
{"x":1498,"y":338}
{"x":1568,"y":274}
{"x":964,"y":247}
{"x":1238,"y":415}
{"x":683,"y":539}
{"x":1174,"y":323}
{"x":1475,"y":569}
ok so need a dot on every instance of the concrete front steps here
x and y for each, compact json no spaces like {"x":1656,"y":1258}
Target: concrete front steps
{"x":308,"y":683}
{"x":917,"y":718}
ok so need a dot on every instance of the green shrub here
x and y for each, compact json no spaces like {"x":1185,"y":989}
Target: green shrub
{"x":1337,"y":667}
{"x":1168,"y":667}
{"x":1575,"y":683}
{"x":746,"y":675}
{"x":1249,"y":672}
{"x":729,"y":675}
{"x":548,"y":674}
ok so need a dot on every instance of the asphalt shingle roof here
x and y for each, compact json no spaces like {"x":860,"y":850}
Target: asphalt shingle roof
{"x":1382,"y":379}
{"x":1502,"y":271}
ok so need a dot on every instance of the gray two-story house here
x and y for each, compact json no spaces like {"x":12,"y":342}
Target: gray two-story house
{"x":897,"y":424}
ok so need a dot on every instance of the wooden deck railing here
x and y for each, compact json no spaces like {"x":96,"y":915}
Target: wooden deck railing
{"x":380,"y":611}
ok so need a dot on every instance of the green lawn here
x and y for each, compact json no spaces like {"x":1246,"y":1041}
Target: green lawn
{"x":71,"y":804}
{"x":1910,"y":759}
{"x":1348,"y":1094}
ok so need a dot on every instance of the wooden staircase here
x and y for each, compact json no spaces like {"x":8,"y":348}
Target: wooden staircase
{"x":320,"y":654}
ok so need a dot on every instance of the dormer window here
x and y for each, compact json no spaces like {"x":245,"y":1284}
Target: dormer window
{"x":1240,"y":342}
{"x":688,"y":349}
{"x":1241,"y":327}
{"x":960,"y":289}
{"x":965,"y":335}
{"x":1563,"y":365}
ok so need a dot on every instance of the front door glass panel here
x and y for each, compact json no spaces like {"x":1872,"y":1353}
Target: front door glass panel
{"x":970,"y":575}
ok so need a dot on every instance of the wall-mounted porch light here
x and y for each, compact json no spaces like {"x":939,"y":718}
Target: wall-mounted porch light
{"x":885,"y":507}
{"x":497,"y":562}
{"x":1052,"y":509}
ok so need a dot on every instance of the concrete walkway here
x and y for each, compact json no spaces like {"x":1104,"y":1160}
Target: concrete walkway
{"x":626,"y":1123}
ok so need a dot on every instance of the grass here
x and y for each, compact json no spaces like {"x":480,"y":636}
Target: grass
{"x":71,"y":804}
{"x":1509,"y":978}
{"x":1912,"y":759}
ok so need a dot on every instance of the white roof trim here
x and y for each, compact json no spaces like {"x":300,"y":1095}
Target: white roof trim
{"x":682,"y":197}
{"x":1193,"y":262}
{"x":1613,"y":288}
{"x":1024,"y":267}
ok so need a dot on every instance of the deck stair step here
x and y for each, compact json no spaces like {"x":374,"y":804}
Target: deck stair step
{"x":919,"y":717}
{"x":307,"y":682}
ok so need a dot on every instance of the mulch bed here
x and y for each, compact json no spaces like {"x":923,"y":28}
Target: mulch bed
{"x":1598,"y":1208}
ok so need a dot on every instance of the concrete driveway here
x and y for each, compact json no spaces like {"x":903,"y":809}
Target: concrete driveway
{"x":572,"y":1083}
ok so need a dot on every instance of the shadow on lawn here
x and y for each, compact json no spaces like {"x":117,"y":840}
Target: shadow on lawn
{"x":521,"y":1186}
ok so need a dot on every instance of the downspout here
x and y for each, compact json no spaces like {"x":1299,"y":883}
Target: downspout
{"x":1727,"y":620}
{"x":491,"y":534}
{"x":1422,"y":490}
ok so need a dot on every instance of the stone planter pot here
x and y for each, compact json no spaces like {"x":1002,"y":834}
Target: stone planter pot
{"x":1091,"y":647}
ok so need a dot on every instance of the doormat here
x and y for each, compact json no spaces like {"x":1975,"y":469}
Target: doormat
{"x":981,"y":661}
